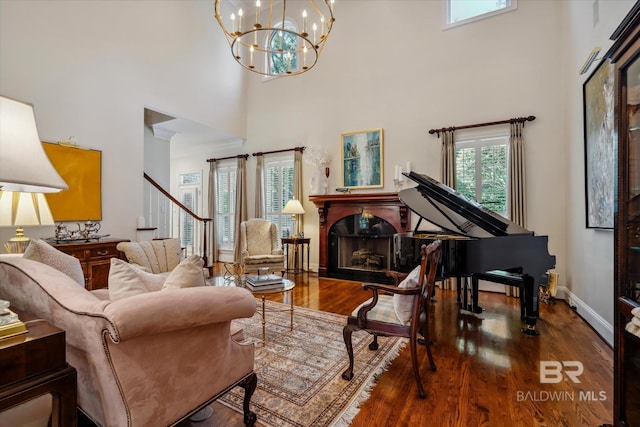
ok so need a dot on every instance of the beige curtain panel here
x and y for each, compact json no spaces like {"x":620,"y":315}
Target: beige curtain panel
{"x":517,"y":196}
{"x":259,"y":190}
{"x":448,"y":177}
{"x":211,"y":197}
{"x":241,"y":204}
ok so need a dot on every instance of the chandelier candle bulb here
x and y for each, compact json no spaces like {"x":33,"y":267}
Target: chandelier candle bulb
{"x":304,"y":23}
{"x":233,"y":23}
{"x":315,"y":28}
{"x":240,"y":21}
{"x":257,"y":15}
{"x":251,"y":57}
{"x":304,"y":57}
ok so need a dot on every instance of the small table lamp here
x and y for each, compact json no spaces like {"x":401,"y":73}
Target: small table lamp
{"x":294,"y":208}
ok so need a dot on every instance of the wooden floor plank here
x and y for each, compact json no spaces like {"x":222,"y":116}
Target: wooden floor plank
{"x":488,"y":371}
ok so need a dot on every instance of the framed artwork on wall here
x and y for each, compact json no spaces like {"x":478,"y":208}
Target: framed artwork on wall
{"x":362,"y":159}
{"x":599,"y":146}
{"x":82,"y":171}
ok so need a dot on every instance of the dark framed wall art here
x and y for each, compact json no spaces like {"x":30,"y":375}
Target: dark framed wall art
{"x":599,"y":146}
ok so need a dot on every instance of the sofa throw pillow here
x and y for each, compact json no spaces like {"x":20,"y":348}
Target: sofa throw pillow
{"x":41,"y":251}
{"x":188,"y":273}
{"x":127,"y":279}
{"x":403,"y":304}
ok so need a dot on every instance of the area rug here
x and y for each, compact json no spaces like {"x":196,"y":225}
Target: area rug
{"x":299,"y":372}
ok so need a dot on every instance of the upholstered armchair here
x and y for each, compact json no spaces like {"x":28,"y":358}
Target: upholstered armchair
{"x":259,"y":246}
{"x":152,"y":359}
{"x":156,"y":256}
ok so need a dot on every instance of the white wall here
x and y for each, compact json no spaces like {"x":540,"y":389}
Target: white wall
{"x":589,"y":278}
{"x":390,"y":65}
{"x":90,"y":68}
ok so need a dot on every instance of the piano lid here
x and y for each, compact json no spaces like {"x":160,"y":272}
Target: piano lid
{"x":450,"y":210}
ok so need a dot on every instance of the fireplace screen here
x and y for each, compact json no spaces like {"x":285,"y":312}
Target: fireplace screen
{"x":362,"y":243}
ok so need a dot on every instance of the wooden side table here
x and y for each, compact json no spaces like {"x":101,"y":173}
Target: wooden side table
{"x":298,"y":244}
{"x":35,"y":364}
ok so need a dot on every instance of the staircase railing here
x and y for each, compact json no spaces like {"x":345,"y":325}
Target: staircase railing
{"x":186,"y":210}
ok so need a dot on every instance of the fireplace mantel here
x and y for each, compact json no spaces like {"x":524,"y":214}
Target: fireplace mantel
{"x":334,"y":207}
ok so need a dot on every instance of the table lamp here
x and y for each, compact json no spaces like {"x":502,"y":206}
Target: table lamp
{"x":20,"y":209}
{"x":294,"y":208}
{"x":24,"y":168}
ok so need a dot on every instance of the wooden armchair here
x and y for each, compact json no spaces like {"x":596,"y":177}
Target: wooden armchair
{"x":401,"y":311}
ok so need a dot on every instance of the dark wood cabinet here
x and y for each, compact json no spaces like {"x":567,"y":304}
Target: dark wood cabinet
{"x":625,"y":55}
{"x":95,"y":258}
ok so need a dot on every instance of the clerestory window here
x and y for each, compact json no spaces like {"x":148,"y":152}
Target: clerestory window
{"x":460,"y":12}
{"x":283,"y":46}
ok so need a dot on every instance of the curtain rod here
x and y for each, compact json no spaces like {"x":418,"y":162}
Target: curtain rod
{"x":453,"y":128}
{"x":239,"y":156}
{"x":262,"y":153}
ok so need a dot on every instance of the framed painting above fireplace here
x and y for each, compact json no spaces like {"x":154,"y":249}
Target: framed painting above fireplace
{"x":362,"y":159}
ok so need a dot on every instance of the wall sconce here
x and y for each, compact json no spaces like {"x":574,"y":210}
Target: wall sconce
{"x":398,"y":177}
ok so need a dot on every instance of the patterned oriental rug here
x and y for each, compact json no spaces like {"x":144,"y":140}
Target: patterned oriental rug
{"x":299,"y":372}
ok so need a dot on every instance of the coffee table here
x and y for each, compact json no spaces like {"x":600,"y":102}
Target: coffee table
{"x":288,"y":286}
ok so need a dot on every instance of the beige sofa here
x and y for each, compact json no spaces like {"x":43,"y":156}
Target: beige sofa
{"x":147,"y":360}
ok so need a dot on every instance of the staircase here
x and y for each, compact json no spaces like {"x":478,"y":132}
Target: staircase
{"x":162,"y":204}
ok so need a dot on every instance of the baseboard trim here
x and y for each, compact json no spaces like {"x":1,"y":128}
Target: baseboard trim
{"x":597,"y":322}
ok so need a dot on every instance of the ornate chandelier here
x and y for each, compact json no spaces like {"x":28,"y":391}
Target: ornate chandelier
{"x":276,"y":37}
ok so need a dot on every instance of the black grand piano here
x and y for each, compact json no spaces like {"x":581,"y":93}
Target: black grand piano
{"x":478,"y":244}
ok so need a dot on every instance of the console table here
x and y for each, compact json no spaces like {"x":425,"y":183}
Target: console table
{"x":34,"y":365}
{"x":95,"y":259}
{"x":297,"y":243}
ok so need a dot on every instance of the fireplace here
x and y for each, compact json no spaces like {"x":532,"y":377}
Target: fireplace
{"x":356,"y":234}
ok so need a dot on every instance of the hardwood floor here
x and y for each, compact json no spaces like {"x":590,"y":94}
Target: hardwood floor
{"x":488,"y":371}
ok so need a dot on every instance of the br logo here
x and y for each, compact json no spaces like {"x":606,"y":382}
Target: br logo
{"x":553,"y":372}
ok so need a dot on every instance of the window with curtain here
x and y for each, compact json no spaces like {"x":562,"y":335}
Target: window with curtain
{"x":225,"y":204}
{"x":482,"y":171}
{"x":278,"y":187}
{"x":283,"y":44}
{"x":459,"y":12}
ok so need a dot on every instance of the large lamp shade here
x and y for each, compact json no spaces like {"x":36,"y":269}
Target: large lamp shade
{"x":24,"y":166}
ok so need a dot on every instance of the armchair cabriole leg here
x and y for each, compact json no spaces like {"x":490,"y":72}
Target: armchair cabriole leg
{"x":346,"y":333}
{"x":249,"y":384}
{"x":374,"y":344}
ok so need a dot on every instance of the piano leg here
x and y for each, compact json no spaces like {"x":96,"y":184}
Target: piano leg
{"x":529,"y":305}
{"x":463,"y":294}
{"x":475,"y":308}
